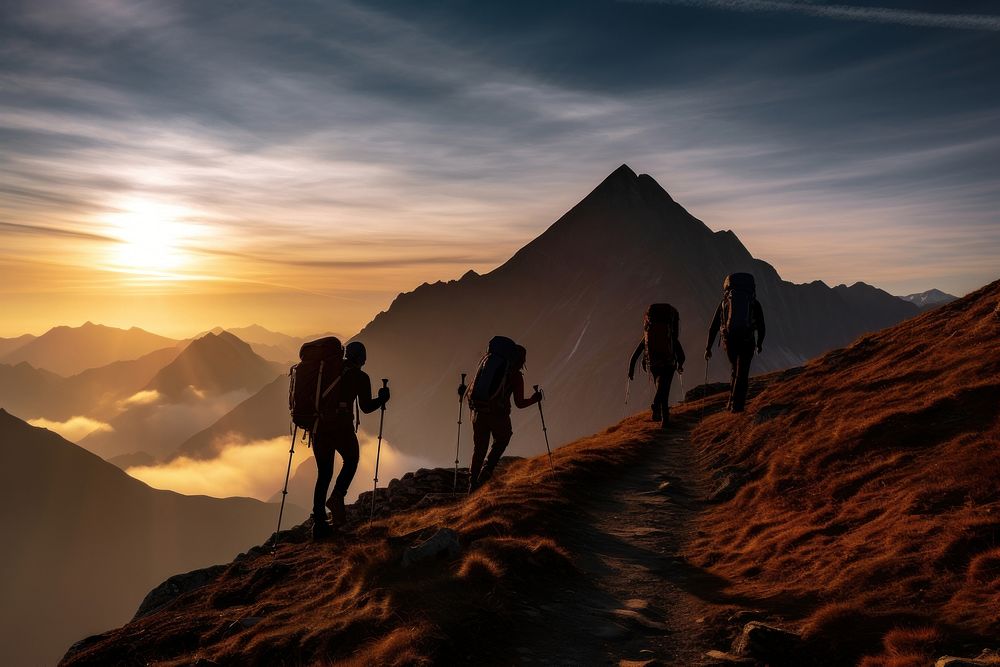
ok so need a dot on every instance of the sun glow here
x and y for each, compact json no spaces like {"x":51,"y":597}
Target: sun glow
{"x":153,"y":238}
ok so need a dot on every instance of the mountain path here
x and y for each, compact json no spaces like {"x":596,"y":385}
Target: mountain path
{"x":646,"y":603}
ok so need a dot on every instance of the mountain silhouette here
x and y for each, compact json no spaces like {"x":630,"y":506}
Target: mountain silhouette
{"x":95,"y":393}
{"x":8,"y":345}
{"x":70,"y":350}
{"x":929,"y":299}
{"x":575,"y":297}
{"x":85,"y":542}
{"x":210,"y":377}
{"x":854,"y":503}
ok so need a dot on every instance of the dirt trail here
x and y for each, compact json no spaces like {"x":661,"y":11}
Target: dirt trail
{"x":646,"y":602}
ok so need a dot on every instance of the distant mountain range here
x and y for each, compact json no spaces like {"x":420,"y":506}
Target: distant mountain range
{"x":70,"y":350}
{"x":929,"y":299}
{"x":210,"y":377}
{"x":86,"y":542}
{"x":575,"y":297}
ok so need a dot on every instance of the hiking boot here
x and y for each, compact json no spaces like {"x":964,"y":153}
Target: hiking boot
{"x":656,"y":416}
{"x":338,"y":515}
{"x":321,"y":529}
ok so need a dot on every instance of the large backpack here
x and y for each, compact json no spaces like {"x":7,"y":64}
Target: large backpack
{"x":661,"y":327}
{"x":318,"y":372}
{"x":739,"y":295}
{"x":490,"y":383}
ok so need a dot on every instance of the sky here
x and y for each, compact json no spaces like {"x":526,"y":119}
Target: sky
{"x":178,"y":165}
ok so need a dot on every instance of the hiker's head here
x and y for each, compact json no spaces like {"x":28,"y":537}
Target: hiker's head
{"x":520,"y":357}
{"x":356,"y":354}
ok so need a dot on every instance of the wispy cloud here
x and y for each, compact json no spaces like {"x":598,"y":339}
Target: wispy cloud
{"x":73,"y":429}
{"x":851,"y":13}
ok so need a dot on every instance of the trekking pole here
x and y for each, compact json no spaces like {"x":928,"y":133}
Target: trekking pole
{"x":458,"y":443}
{"x":284,"y":491}
{"x":545,"y":432}
{"x":628,"y":386}
{"x":378,"y":451}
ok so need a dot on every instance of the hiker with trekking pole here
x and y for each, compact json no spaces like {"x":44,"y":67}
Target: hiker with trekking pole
{"x":740,"y":318}
{"x":498,"y":379}
{"x":378,"y":449}
{"x":662,"y":354}
{"x":458,"y":443}
{"x":324,"y":387}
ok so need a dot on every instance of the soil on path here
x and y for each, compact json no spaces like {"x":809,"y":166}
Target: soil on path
{"x":643,"y":601}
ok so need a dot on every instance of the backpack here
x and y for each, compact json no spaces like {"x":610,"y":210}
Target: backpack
{"x":739,"y":295}
{"x":661,"y":327}
{"x":490,"y":383}
{"x":319,"y":370}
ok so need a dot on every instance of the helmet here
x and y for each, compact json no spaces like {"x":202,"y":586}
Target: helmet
{"x":355,"y":352}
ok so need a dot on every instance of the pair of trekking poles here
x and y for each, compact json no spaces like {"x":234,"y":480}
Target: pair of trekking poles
{"x":378,"y":456}
{"x":462,"y":388}
{"x":680,"y":377}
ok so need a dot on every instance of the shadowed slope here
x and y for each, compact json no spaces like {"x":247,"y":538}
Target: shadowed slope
{"x":85,"y":541}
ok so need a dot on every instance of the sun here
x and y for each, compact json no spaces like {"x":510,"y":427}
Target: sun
{"x":152,"y":237}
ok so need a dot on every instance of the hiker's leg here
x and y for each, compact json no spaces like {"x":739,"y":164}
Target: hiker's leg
{"x":742,"y":377}
{"x":323,"y":452}
{"x":502,"y":433}
{"x":347,"y":447}
{"x":732,"y":352}
{"x":480,"y":443}
{"x":661,"y":400}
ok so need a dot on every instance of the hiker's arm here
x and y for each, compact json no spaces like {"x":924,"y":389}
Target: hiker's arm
{"x":713,"y":330}
{"x":679,"y":354}
{"x":519,"y":400}
{"x":635,"y":357}
{"x":758,"y":313}
{"x":366,"y":402}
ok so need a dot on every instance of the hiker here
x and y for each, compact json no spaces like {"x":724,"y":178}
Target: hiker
{"x":662,"y":354}
{"x":739,"y":317}
{"x":336,"y":433}
{"x":497,"y":380}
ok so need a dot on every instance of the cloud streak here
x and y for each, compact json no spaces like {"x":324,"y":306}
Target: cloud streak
{"x":886,"y":15}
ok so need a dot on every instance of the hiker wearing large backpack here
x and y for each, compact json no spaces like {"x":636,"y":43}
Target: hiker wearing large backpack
{"x":498,"y":380}
{"x":662,"y":354}
{"x":325,"y":386}
{"x":740,"y":318}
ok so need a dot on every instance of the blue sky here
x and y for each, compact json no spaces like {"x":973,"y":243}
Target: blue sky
{"x":336,"y":153}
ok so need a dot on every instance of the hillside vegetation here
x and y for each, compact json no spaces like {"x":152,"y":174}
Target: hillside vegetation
{"x":856,"y":500}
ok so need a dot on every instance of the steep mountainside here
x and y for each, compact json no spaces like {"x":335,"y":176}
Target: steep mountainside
{"x":855,"y":503}
{"x":86,"y":542}
{"x":71,"y":350}
{"x":575,"y":297}
{"x":208,"y":379}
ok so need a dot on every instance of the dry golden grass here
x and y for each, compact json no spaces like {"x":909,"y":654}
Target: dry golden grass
{"x":871,"y":502}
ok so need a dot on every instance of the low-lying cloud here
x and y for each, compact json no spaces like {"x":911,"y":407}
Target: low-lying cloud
{"x":74,"y":428}
{"x":144,"y":397}
{"x":256,"y":469}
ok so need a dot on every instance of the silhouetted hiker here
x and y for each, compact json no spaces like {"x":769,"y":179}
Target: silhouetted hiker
{"x":663,"y":354}
{"x":336,"y":434}
{"x":497,"y":379}
{"x":739,"y":316}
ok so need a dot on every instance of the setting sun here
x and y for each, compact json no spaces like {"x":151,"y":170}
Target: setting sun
{"x":152,"y":236}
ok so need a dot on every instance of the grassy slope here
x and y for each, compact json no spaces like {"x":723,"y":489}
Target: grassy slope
{"x":873,"y":502}
{"x":873,"y":495}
